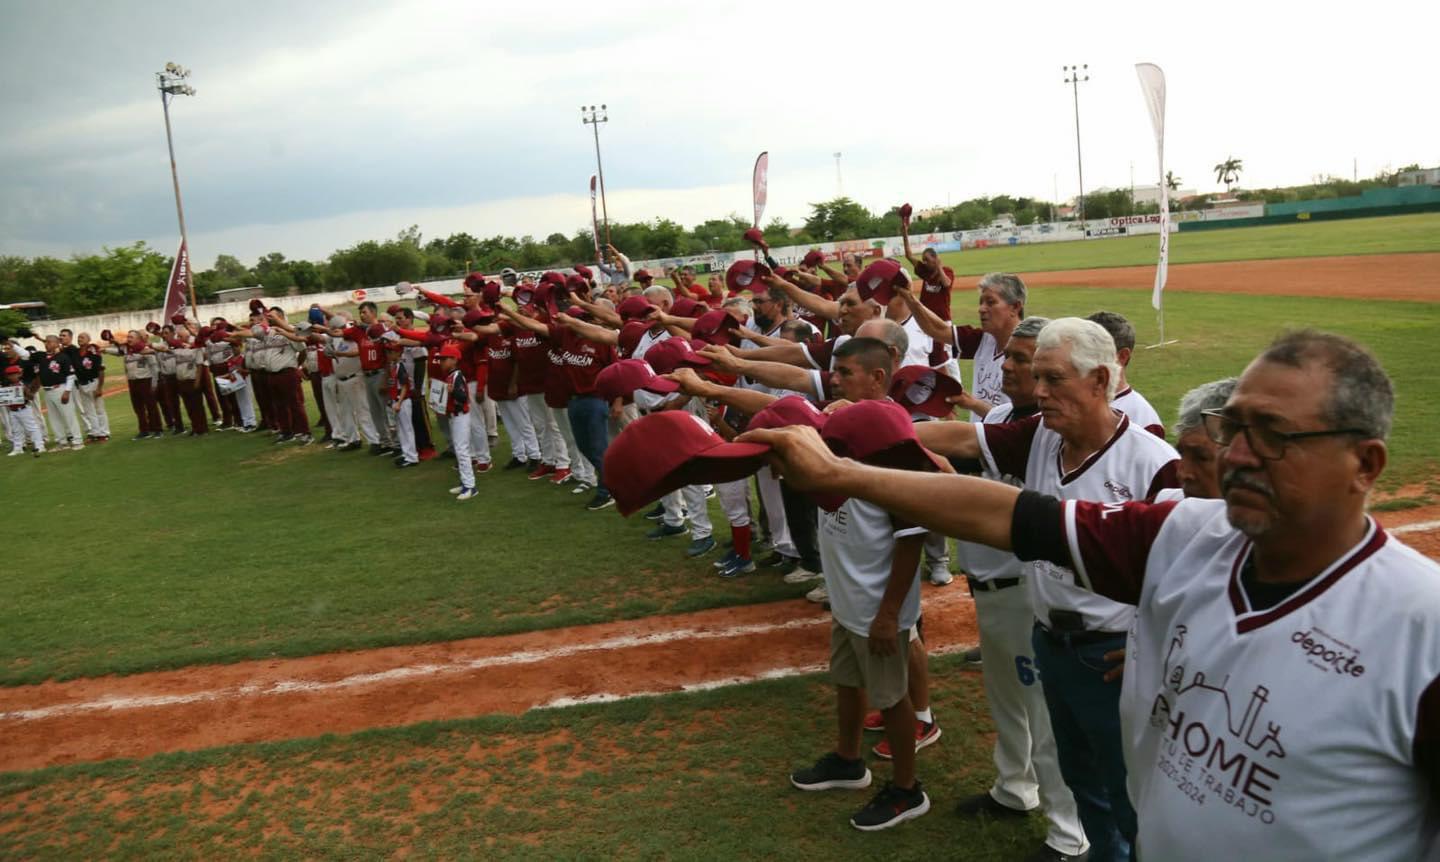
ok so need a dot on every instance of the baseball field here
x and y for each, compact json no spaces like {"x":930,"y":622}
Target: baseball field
{"x":218,"y":646}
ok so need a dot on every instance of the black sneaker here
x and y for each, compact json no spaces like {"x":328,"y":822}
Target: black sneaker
{"x":402,"y":464}
{"x":377,"y":449}
{"x":891,"y":807}
{"x":774,"y":559}
{"x":1046,"y":853}
{"x":350,"y":447}
{"x":832,"y":772}
{"x":656,"y":513}
{"x":972,"y":658}
{"x":985,"y":805}
{"x":517,"y":464}
{"x":282,"y":438}
{"x":600,"y":501}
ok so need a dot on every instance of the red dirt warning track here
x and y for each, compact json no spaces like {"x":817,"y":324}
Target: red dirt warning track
{"x":1364,"y":276}
{"x":257,"y":701}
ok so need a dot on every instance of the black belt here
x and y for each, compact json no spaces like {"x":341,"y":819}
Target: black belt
{"x":1074,"y":639}
{"x":343,"y":379}
{"x":374,"y":371}
{"x":55,"y":386}
{"x":994,"y":585}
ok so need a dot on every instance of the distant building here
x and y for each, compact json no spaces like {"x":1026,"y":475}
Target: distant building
{"x":236,"y":294}
{"x":1003,"y":220}
{"x":1425,"y":177}
{"x":1151,"y":194}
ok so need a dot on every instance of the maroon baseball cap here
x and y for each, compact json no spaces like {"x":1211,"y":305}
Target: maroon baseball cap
{"x":584,"y":272}
{"x":394,"y":310}
{"x":742,"y":275}
{"x":814,"y":257}
{"x":577,"y":312}
{"x":634,"y":308}
{"x":490,"y":293}
{"x":474,"y":280}
{"x":524,"y":294}
{"x":905,"y":211}
{"x":13,"y":369}
{"x":451,"y":350}
{"x":257,"y":306}
{"x":757,"y":236}
{"x":673,"y":353}
{"x":787,"y":411}
{"x":924,"y":390}
{"x":715,"y":326}
{"x":621,"y":379}
{"x":666,"y":451}
{"x":107,"y":335}
{"x":879,"y":433}
{"x":177,"y":318}
{"x":375,"y":330}
{"x":643,"y":275}
{"x":552,"y":277}
{"x":153,"y":328}
{"x":477,"y":316}
{"x":686,"y":307}
{"x":879,"y":280}
{"x":630,"y":335}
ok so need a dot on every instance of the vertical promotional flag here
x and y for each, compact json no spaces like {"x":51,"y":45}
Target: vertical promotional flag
{"x":594,"y":219}
{"x":178,"y":291}
{"x":759,"y":182}
{"x":1152,"y":86}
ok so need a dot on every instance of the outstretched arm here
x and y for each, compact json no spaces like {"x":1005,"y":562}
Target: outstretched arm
{"x":745,"y":400}
{"x":589,"y":331}
{"x":930,"y":322}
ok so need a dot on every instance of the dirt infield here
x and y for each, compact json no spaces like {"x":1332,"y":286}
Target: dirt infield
{"x":200,"y":707}
{"x":1382,"y":276}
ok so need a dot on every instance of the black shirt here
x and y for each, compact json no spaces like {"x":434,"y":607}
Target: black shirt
{"x":88,"y":367}
{"x":52,"y":368}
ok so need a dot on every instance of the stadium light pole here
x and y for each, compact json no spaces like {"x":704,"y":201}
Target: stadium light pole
{"x":171,"y":83}
{"x":593,"y":118}
{"x":1073,"y":76}
{"x":839,"y":186}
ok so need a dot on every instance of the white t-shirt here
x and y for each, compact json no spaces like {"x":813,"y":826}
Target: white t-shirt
{"x":982,"y":562}
{"x":987,"y":355}
{"x":921,"y":345}
{"x":1282,"y":733}
{"x":1134,"y":405}
{"x":647,"y":341}
{"x":857,"y":544}
{"x":1133,"y":465}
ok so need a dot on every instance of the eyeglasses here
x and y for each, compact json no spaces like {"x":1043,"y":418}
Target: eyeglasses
{"x":1267,"y":443}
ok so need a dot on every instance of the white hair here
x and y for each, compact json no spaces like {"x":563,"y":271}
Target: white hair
{"x":739,"y":302}
{"x":656,"y":292}
{"x":1091,"y":347}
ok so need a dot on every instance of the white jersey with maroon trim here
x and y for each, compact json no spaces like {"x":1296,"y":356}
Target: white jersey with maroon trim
{"x":1134,"y":405}
{"x":647,"y":341}
{"x":920,"y":345}
{"x":987,"y":356}
{"x":1132,"y":465}
{"x":1281,"y":733}
{"x":982,"y":562}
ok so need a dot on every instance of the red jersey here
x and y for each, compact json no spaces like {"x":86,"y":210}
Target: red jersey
{"x":584,"y":360}
{"x":557,"y":378}
{"x":372,"y":358}
{"x":532,"y":360}
{"x":500,"y":351}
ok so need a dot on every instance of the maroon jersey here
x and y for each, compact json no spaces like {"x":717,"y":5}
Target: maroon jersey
{"x":533,"y":361}
{"x":500,"y":351}
{"x":936,"y":297}
{"x":584,"y":360}
{"x":557,"y":379}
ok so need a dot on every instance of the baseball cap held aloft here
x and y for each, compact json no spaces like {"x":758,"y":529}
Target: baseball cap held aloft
{"x":878,"y":433}
{"x":813,"y":257}
{"x":879,"y":280}
{"x":715,"y":326}
{"x":924,"y":390}
{"x":634,"y":308}
{"x":757,"y":236}
{"x":665,"y":451}
{"x":742,"y":275}
{"x":621,"y":379}
{"x":630,"y":335}
{"x":644,"y":275}
{"x":672,"y":353}
{"x":787,"y":411}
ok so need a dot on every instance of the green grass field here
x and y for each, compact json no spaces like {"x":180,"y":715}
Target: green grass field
{"x":161,"y":554}
{"x":1388,"y":235}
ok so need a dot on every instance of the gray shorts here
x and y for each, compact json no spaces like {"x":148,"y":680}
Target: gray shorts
{"x":884,"y":678}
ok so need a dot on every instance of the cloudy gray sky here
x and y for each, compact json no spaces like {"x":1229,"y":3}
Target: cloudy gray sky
{"x":320,"y":123}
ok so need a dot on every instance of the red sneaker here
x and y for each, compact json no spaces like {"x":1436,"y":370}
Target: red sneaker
{"x":560,"y":476}
{"x":428,"y":454}
{"x":924,"y":735}
{"x":542,"y":471}
{"x":875,"y":722}
{"x":482,"y":467}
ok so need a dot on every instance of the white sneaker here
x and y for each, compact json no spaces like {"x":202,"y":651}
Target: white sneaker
{"x":817,"y":595}
{"x":457,"y":489}
{"x":940,"y":577}
{"x":14,"y":452}
{"x":581,"y":488}
{"x":800,"y":575}
{"x":77,"y":446}
{"x":466,"y":494}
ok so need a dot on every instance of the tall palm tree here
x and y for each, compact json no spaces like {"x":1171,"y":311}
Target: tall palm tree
{"x":1228,"y":172}
{"x":1172,"y":182}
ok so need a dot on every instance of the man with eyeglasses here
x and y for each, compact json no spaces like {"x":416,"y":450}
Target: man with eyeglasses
{"x":1287,"y":651}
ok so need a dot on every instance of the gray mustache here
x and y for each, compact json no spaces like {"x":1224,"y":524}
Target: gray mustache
{"x":1246,"y":480}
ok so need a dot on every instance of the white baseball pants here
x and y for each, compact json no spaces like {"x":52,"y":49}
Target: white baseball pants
{"x":516,"y":417}
{"x":92,"y":409}
{"x":342,"y":421}
{"x":775,"y":514}
{"x":405,"y":430}
{"x":582,"y":468}
{"x":547,"y":430}
{"x":25,"y":424}
{"x":479,"y":439}
{"x":62,"y":417}
{"x":1026,"y":761}
{"x":735,"y":502}
{"x":354,"y":405}
{"x":460,"y":442}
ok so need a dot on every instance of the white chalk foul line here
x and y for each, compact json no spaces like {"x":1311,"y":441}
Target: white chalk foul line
{"x":711,"y":684}
{"x":1422,"y":527}
{"x":291,"y":686}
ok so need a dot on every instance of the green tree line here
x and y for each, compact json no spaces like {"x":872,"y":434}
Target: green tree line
{"x":134,"y":276}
